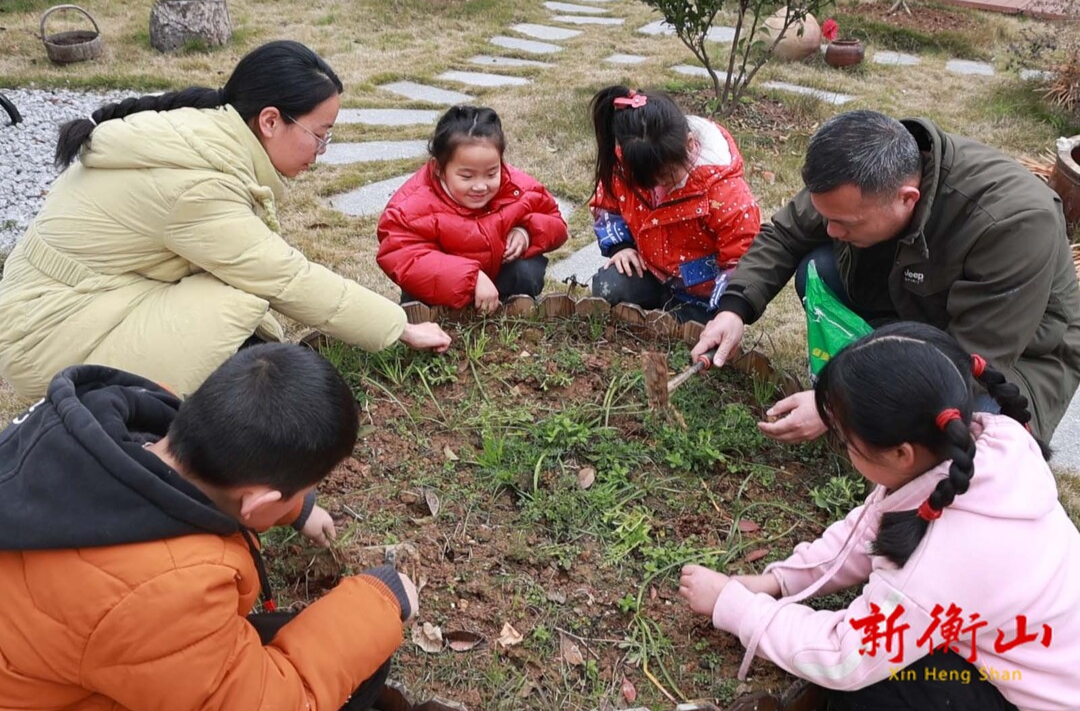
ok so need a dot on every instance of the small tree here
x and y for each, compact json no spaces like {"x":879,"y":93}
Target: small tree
{"x":751,"y":47}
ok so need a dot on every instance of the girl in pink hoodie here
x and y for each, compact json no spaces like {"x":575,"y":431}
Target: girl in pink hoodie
{"x":969,"y":566}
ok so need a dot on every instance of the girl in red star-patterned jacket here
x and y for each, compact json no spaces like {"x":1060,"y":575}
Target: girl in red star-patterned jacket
{"x":671,"y":208}
{"x":467,"y":228}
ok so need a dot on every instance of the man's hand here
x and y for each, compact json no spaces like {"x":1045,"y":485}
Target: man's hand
{"x":724,"y":333}
{"x":412,"y":595}
{"x":516,"y":244}
{"x":799,"y":420}
{"x":487,"y":295}
{"x":319,"y":527}
{"x":426,"y":336}
{"x":627,"y":262}
{"x":700,"y":587}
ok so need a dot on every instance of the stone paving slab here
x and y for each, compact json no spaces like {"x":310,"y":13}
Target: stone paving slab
{"x":566,"y":207}
{"x":1036,"y":75}
{"x":545,"y":32}
{"x":530,"y":46}
{"x":967,"y":67}
{"x":388,"y":117}
{"x":829,"y":97}
{"x":487,"y":60}
{"x":692,"y":70}
{"x":895,"y":58}
{"x":484,"y":79}
{"x":626,"y":59}
{"x":369,"y":199}
{"x":429,"y":94}
{"x":579,"y":9}
{"x":1066,"y":440}
{"x":588,"y":20}
{"x":371,"y":151}
{"x":663,"y":28}
{"x":581,"y":265}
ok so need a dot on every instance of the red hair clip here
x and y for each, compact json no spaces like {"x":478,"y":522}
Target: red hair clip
{"x":978,"y":365}
{"x":634,"y":101}
{"x":945,"y":417}
{"x":928,"y":512}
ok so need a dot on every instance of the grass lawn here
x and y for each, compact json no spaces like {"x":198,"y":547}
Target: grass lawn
{"x":500,"y":430}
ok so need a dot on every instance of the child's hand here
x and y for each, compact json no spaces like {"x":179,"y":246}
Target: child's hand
{"x":700,"y":587}
{"x":627,"y":262}
{"x":319,"y":527}
{"x":412,"y":594}
{"x":487,"y":296}
{"x":516,"y":244}
{"x":426,"y":336}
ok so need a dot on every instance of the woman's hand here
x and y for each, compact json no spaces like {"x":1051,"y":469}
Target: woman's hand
{"x":700,"y":587}
{"x":516,"y":244}
{"x":425,"y":336}
{"x":628,"y":261}
{"x":487,"y":295}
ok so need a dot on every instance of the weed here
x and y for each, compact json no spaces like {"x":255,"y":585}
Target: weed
{"x":839,"y":495}
{"x":436,"y":369}
{"x":476,"y":343}
{"x":630,"y":530}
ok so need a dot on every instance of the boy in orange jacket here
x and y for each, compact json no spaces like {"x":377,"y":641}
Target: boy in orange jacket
{"x":129,"y":561}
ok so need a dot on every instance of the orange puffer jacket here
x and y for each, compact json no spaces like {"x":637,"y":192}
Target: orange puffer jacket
{"x":122,"y":587}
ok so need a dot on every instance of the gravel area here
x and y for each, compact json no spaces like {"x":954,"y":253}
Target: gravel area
{"x":26,"y":151}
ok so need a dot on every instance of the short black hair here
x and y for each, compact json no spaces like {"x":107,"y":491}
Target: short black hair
{"x":275,"y":414}
{"x":869,"y":150}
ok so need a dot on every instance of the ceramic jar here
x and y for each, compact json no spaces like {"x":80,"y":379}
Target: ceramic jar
{"x":794,"y":46}
{"x":844,"y":52}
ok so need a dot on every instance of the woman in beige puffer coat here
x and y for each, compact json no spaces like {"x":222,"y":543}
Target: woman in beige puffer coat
{"x":159,"y":251}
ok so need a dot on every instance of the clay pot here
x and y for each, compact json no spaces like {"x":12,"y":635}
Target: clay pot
{"x":844,"y":53}
{"x":794,"y":46}
{"x":1065,"y":178}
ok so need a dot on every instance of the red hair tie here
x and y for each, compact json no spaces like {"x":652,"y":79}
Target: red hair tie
{"x":928,"y":512}
{"x":633,"y":101}
{"x":947,"y":416}
{"x":978,"y":365}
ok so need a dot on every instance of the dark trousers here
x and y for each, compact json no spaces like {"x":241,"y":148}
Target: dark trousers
{"x":267,"y":625}
{"x":943,"y":681}
{"x":647,"y":292}
{"x":521,"y":276}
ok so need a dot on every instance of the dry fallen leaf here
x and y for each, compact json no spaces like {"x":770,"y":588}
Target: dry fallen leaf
{"x":769,"y":177}
{"x":509,"y":636}
{"x":461,"y":640}
{"x":527,"y":688}
{"x":585,"y":477}
{"x":747,"y":526}
{"x":756,"y":555}
{"x":428,"y":638}
{"x":570,"y":651}
{"x":449,"y":454}
{"x":433,"y":503}
{"x":628,"y":691}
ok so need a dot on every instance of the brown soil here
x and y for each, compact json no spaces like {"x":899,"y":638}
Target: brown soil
{"x":518,"y":550}
{"x":925,"y":19}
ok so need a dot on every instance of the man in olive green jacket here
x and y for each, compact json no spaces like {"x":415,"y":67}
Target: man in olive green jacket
{"x":906,"y":221}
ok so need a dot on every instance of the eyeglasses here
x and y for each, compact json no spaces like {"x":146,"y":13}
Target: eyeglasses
{"x":323,"y":141}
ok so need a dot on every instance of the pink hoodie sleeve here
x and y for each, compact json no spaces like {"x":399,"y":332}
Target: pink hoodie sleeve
{"x":822,"y":645}
{"x":809,"y":561}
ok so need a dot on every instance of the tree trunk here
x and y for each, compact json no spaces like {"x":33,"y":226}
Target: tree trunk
{"x":175,"y":23}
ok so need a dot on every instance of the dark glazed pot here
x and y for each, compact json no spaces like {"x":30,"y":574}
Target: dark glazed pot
{"x":844,"y":52}
{"x":1065,"y":178}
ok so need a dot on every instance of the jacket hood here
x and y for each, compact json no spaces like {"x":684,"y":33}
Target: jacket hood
{"x":207,"y":139}
{"x":1010,"y":481}
{"x":74,"y":472}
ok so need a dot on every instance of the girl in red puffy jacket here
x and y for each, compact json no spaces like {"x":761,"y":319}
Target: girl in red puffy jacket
{"x":468,"y":228}
{"x":671,"y":208}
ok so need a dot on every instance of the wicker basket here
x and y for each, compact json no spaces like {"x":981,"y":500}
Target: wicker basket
{"x":75,"y":45}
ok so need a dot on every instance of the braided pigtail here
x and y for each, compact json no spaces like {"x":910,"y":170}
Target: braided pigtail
{"x":1006,"y":395}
